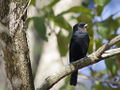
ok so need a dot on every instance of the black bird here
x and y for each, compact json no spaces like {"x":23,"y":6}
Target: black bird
{"x":78,"y":47}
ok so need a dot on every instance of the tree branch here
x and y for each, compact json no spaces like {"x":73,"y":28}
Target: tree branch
{"x":111,"y":81}
{"x":110,"y":53}
{"x":97,"y":56}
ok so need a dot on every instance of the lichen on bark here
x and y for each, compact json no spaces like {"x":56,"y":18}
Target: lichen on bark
{"x":15,"y":47}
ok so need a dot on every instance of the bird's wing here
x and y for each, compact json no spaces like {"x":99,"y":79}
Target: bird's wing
{"x":85,"y":44}
{"x":83,"y":41}
{"x":78,"y":46}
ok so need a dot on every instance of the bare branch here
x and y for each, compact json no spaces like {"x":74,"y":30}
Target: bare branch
{"x":114,"y":41}
{"x":110,"y":53}
{"x":107,"y":46}
{"x":91,"y":59}
{"x":111,"y":81}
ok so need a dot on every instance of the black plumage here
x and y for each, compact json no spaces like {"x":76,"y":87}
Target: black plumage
{"x":78,"y":47}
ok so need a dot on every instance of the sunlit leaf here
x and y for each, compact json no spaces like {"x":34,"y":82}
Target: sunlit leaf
{"x":77,"y":9}
{"x":39,"y":25}
{"x":50,"y":6}
{"x":53,"y":3}
{"x":61,"y":22}
{"x":101,"y":2}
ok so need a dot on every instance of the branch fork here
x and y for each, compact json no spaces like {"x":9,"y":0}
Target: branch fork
{"x":97,"y":56}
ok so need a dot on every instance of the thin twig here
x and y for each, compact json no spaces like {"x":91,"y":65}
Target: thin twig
{"x":111,"y":52}
{"x":100,"y":79}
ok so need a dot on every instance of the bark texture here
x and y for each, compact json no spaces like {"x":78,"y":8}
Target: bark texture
{"x":13,"y":43}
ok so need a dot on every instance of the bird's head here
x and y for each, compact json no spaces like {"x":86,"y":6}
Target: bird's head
{"x":80,"y":26}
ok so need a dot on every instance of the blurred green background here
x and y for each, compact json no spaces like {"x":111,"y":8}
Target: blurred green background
{"x":45,"y":20}
{"x":103,"y":18}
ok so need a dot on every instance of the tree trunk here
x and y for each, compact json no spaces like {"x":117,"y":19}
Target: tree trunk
{"x":13,"y":43}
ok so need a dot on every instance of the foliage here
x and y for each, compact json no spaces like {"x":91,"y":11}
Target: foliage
{"x":40,"y":26}
{"x":100,"y":86}
{"x":101,"y":2}
{"x":67,"y":86}
{"x":62,"y":23}
{"x":33,"y":2}
{"x":106,"y":30}
{"x":62,"y":43}
{"x":111,"y":65}
{"x":77,"y":9}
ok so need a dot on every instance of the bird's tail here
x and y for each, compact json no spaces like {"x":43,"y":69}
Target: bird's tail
{"x":73,"y":79}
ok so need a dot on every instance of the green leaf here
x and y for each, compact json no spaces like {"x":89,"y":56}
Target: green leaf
{"x":67,"y":86}
{"x":104,"y":29}
{"x":28,"y":20}
{"x":101,"y":86}
{"x":90,"y":46}
{"x":33,"y":2}
{"x":114,"y":24}
{"x":53,"y":3}
{"x":111,"y":65}
{"x":61,"y":22}
{"x":24,"y":1}
{"x":86,"y":18}
{"x":50,"y":6}
{"x":62,"y":43}
{"x":48,"y":13}
{"x":39,"y":24}
{"x":98,"y":43}
{"x":101,"y":2}
{"x":107,"y":29}
{"x":77,"y":9}
{"x":99,"y":10}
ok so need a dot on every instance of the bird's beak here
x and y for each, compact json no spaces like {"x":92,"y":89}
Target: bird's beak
{"x":85,"y":25}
